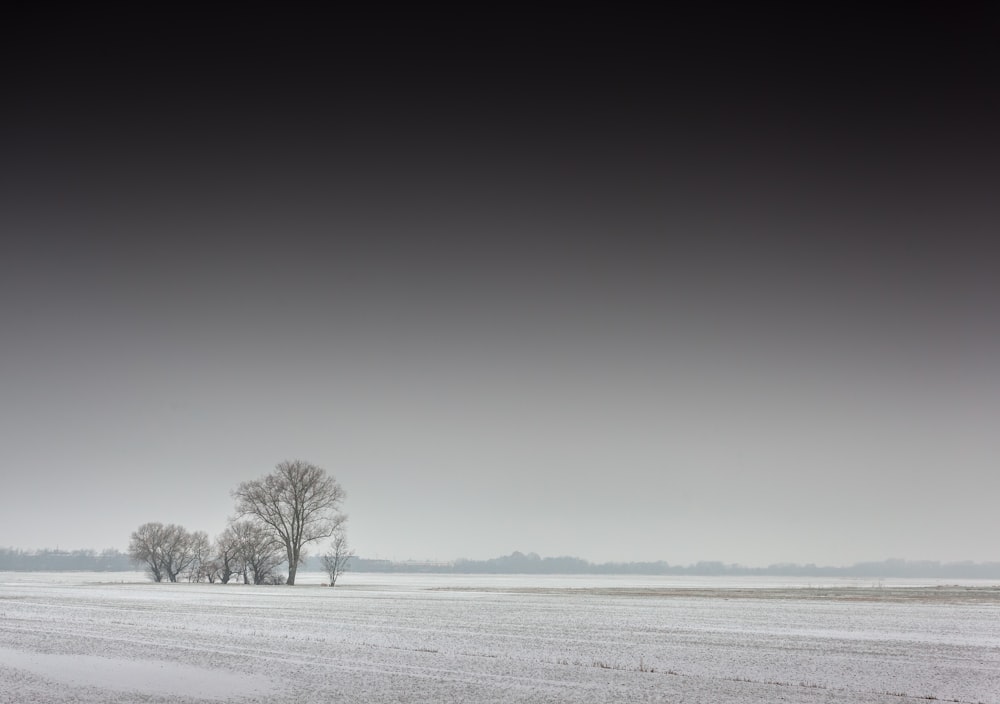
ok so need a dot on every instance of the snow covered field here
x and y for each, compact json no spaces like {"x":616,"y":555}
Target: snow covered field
{"x":113,"y":637}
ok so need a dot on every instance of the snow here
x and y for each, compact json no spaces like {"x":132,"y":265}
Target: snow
{"x":149,"y":676}
{"x":93,"y":637}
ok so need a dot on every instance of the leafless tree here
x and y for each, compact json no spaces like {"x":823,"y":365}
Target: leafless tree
{"x":202,"y":565}
{"x":181,"y":550}
{"x":337,"y":558}
{"x":166,"y":550}
{"x":211,"y":569}
{"x":298,"y":503}
{"x":258,"y":551}
{"x":145,"y":547}
{"x":227,"y":555}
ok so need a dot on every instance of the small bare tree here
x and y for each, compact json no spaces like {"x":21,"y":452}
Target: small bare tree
{"x":336,"y":560}
{"x":166,"y":550}
{"x":298,"y":503}
{"x":145,"y":547}
{"x":259,"y":553}
{"x":202,"y":565}
{"x":226,"y":555}
{"x":181,"y":550}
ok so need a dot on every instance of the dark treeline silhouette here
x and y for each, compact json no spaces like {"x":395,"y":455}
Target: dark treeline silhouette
{"x":531,"y":563}
{"x":109,"y":560}
{"x":112,"y":560}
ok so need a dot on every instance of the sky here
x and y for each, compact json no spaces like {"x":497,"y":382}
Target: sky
{"x":725,"y":300}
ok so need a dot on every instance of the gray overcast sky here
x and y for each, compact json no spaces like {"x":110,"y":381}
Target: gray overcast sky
{"x":623,"y":314}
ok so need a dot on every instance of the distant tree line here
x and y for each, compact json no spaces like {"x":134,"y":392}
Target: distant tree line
{"x":109,"y":560}
{"x":242,"y":554}
{"x":276,"y":517}
{"x":531,"y":563}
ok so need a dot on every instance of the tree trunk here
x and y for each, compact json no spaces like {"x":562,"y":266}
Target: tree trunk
{"x":293,"y":564}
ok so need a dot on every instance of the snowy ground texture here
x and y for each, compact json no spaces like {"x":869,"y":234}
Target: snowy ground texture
{"x":399,"y":638}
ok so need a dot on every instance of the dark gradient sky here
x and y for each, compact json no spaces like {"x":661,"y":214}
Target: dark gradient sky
{"x":734,"y":299}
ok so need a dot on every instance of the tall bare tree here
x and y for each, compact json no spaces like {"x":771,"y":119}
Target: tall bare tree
{"x":298,"y":502}
{"x":335,"y":560}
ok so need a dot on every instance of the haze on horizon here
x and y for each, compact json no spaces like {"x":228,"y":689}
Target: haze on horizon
{"x":555,"y":311}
